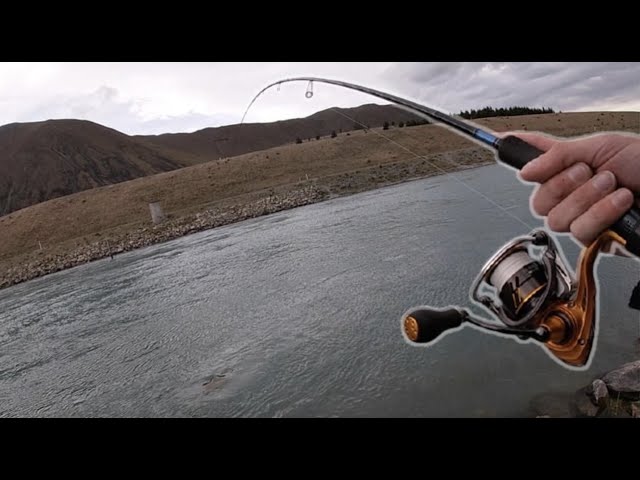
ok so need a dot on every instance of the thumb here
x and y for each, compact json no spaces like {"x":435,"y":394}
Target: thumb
{"x":541,"y":142}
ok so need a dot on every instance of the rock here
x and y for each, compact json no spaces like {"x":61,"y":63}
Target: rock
{"x":600,"y":392}
{"x":583,"y":405}
{"x":624,"y":382}
{"x":635,"y":410}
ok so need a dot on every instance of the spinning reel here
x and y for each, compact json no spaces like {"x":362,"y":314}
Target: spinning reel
{"x":533,"y":297}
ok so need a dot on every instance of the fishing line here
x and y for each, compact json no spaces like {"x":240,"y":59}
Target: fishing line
{"x":468,"y":129}
{"x":448,"y":174}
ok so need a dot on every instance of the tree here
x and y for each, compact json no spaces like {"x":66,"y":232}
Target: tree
{"x":333,"y":134}
{"x":503,"y":112}
{"x":385,"y":126}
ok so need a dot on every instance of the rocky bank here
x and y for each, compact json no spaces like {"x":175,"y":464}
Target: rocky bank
{"x":613,"y":395}
{"x":242,"y":208}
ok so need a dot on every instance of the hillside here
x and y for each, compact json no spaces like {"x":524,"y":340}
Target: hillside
{"x":95,"y":215}
{"x":233,"y":140}
{"x":45,"y":160}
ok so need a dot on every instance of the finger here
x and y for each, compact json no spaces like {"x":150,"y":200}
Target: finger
{"x":541,"y":142}
{"x":580,"y":201}
{"x":551,"y":193}
{"x":544,"y":167}
{"x":561,"y":156}
{"x":602,"y":215}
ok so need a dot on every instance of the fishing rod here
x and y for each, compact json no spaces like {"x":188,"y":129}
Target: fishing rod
{"x":511,"y":150}
{"x":533,"y":296}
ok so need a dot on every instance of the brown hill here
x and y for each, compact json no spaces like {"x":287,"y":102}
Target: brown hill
{"x":44,"y":160}
{"x":232,"y":140}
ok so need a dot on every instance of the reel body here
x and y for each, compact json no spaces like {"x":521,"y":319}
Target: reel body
{"x":522,"y":284}
{"x":532,"y":296}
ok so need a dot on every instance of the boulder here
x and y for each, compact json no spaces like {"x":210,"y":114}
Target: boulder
{"x":600,"y":392}
{"x":624,"y":382}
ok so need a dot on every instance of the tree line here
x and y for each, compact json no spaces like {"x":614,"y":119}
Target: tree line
{"x":468,"y":114}
{"x":503,"y":112}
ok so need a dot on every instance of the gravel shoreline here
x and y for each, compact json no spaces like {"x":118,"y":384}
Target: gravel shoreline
{"x":245,"y":207}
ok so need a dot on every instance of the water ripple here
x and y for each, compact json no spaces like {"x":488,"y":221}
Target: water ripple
{"x":296,"y":314}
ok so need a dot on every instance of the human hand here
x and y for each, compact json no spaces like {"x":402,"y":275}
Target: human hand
{"x":587,"y":184}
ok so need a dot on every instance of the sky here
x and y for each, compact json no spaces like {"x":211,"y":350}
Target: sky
{"x":153,"y":98}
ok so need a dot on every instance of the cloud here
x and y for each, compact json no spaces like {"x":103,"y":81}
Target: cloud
{"x":151,"y":98}
{"x":563,"y":86}
{"x":189,"y":122}
{"x":106,"y":107}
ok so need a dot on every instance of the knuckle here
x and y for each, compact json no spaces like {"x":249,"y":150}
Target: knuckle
{"x":559,"y":149}
{"x":579,"y":173}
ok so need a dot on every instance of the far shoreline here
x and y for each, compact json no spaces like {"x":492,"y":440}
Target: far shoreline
{"x":253,"y":205}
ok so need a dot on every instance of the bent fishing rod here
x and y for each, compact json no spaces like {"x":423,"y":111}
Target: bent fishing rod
{"x":534,"y":296}
{"x":511,"y":150}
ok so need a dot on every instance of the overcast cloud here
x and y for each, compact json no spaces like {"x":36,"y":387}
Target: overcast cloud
{"x":150,"y":98}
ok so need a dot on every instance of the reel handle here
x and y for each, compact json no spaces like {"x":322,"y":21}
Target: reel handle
{"x":423,"y":325}
{"x":516,"y":153}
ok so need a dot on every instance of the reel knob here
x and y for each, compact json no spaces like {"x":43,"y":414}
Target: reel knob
{"x":424,"y":325}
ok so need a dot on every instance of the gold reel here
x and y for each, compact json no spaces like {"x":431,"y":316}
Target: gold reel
{"x":533,"y":297}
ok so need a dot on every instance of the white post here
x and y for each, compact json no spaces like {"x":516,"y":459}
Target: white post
{"x":157,"y":215}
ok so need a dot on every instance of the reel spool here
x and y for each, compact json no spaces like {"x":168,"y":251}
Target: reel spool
{"x":520,"y":283}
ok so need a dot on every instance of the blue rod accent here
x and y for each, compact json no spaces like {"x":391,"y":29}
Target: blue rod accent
{"x":486,"y":137}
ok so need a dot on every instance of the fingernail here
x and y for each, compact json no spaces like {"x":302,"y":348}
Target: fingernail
{"x":579,"y":173}
{"x":622,"y":198}
{"x":604,"y":181}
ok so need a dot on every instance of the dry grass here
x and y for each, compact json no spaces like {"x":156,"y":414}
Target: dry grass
{"x":92,"y":215}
